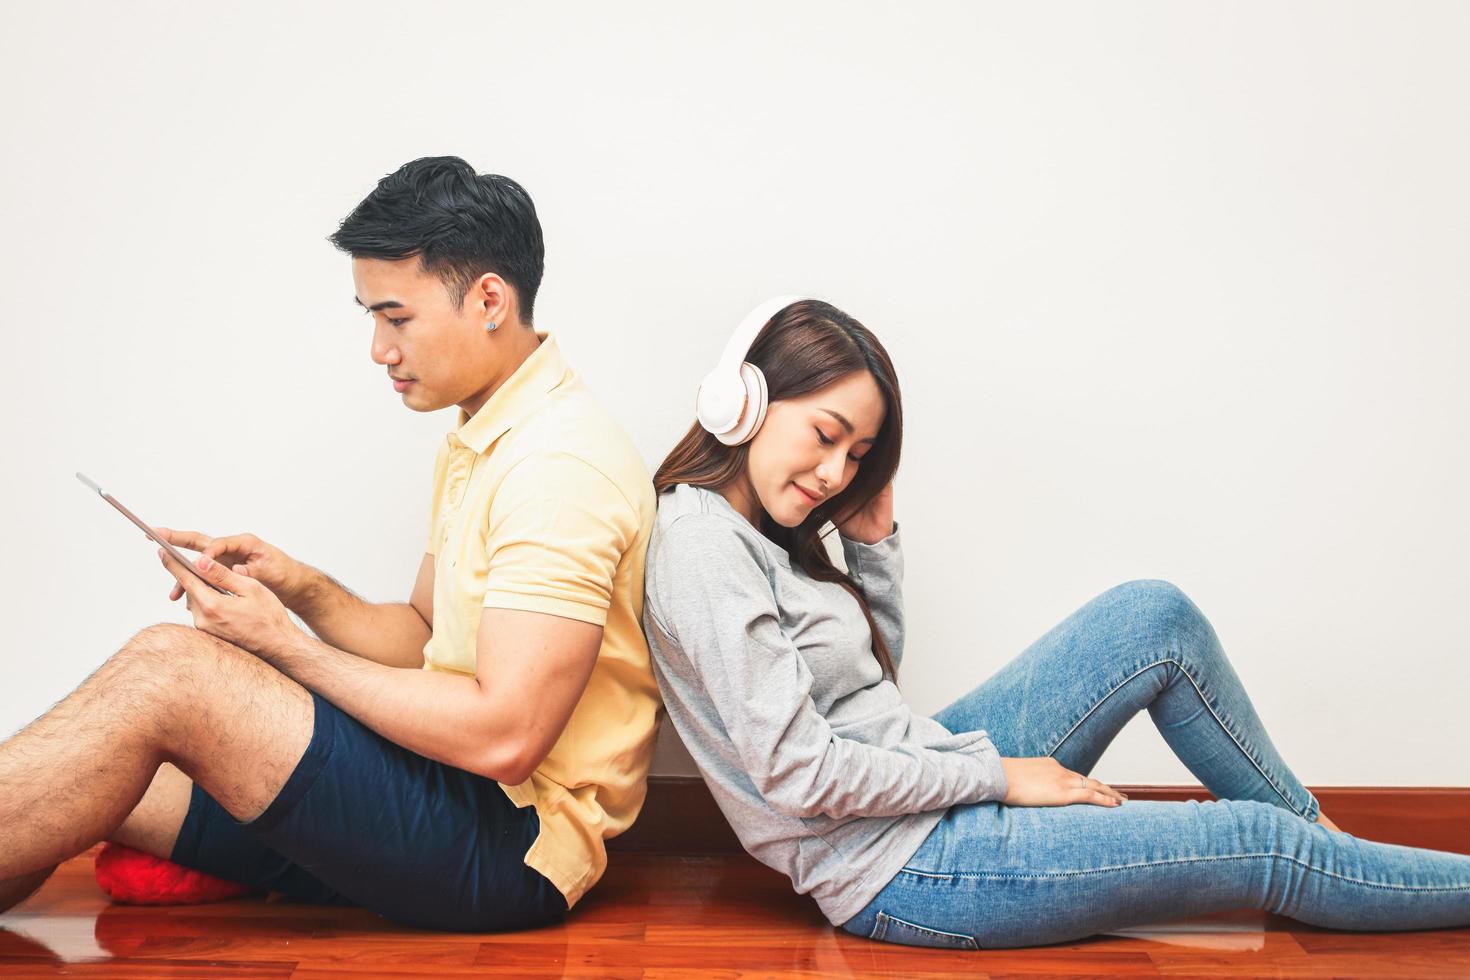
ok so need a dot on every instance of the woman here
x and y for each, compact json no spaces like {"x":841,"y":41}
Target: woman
{"x":978,"y":827}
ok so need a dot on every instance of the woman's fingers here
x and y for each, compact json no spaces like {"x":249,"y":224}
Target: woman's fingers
{"x":1091,"y":790}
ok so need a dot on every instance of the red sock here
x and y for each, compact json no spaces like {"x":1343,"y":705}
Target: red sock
{"x":137,"y":878}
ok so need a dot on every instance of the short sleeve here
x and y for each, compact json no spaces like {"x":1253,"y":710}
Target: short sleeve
{"x":558,"y":528}
{"x":436,"y":501}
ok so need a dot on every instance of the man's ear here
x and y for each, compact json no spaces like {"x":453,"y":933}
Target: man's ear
{"x":493,"y":299}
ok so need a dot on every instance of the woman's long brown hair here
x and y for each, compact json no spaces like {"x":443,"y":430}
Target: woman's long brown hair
{"x":807,"y":346}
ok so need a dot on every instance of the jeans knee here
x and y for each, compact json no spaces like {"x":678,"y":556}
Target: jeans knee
{"x":1261,"y":826}
{"x":1163,"y":608}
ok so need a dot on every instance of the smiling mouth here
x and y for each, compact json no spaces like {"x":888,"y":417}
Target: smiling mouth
{"x":808,"y":494}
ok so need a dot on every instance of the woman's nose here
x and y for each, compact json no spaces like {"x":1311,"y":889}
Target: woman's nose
{"x":828,"y":472}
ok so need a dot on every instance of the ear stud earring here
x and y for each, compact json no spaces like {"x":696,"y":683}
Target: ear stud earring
{"x":491,"y":325}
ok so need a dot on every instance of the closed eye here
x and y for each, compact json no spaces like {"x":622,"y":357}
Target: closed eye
{"x":396,"y":321}
{"x":822,"y":438}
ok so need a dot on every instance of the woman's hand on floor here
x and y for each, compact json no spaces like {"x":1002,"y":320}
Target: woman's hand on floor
{"x":1044,"y":781}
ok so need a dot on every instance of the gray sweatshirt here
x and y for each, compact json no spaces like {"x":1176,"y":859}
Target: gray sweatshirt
{"x":770,"y":680}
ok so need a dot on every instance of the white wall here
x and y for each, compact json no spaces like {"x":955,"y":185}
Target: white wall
{"x":1175,"y":291}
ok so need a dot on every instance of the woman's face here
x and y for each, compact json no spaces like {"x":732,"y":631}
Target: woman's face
{"x":808,"y":448}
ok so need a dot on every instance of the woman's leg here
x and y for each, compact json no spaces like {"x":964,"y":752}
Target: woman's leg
{"x":993,"y":875}
{"x":1142,"y":644}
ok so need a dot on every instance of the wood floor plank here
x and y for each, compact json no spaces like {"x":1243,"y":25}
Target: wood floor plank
{"x":655,"y":916}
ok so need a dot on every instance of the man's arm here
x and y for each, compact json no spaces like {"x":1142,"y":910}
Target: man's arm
{"x":389,"y":633}
{"x":531,"y":669}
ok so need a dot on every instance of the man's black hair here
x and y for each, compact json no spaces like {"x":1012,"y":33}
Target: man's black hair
{"x":461,"y":225}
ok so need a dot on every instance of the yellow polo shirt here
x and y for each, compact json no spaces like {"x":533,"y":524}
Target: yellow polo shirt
{"x":541,"y":502}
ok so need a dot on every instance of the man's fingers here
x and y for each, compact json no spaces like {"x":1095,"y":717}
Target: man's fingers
{"x":178,"y":571}
{"x":220,"y":575}
{"x":192,"y":540}
{"x":225,"y":550}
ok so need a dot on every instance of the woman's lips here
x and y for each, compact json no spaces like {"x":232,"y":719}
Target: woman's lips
{"x":806,"y":496}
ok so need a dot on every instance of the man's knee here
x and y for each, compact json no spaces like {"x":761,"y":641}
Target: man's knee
{"x":225,"y":718}
{"x":168,"y":668}
{"x":162,"y":641}
{"x":172,"y":652}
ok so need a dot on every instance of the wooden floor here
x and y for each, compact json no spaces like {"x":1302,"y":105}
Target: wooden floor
{"x":653,"y":916}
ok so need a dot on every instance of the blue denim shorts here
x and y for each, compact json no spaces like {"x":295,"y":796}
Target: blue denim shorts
{"x":363,"y":821}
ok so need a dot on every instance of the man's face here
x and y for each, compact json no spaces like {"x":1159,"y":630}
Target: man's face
{"x":420,"y":335}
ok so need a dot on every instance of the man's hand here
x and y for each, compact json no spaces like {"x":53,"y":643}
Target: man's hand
{"x":245,"y":554}
{"x":253,"y":618}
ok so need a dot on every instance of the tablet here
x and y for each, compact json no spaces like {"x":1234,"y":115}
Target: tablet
{"x":183,"y":559}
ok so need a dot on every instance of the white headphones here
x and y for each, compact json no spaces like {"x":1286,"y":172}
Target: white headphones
{"x":732,"y":398}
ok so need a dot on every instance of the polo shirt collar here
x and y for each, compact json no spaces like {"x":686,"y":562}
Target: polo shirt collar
{"x":514,"y":400}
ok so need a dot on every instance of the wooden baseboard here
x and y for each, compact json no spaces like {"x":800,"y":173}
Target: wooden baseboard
{"x":680,"y":816}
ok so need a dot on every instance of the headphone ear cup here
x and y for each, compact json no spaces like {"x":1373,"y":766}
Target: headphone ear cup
{"x":719,"y":402}
{"x":754,"y":413}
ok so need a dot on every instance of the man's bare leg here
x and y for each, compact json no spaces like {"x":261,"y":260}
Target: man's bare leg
{"x":153,"y":827}
{"x":173,"y":694}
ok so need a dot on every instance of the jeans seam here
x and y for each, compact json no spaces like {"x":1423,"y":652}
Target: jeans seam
{"x":925,"y":874}
{"x":1192,"y":860}
{"x":885,"y":918}
{"x":1213,"y":714}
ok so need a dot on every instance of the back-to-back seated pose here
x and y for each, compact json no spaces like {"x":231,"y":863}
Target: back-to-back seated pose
{"x":979,"y":826}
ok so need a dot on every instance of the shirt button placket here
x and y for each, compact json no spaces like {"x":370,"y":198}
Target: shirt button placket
{"x":460,"y":461}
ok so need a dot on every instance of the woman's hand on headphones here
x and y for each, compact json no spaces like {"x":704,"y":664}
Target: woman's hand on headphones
{"x":874,"y":522}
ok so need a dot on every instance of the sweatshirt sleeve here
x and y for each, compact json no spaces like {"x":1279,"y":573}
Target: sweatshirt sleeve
{"x":877,"y":570}
{"x":712,"y":595}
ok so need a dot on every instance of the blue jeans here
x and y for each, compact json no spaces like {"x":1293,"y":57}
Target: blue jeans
{"x":992,"y":875}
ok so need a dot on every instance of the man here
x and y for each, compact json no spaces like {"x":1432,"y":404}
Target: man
{"x":455,"y":762}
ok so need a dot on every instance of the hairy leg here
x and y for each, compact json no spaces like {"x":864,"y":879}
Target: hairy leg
{"x":152,"y":827}
{"x":173,"y":694}
{"x":154,"y":824}
{"x":17,"y":890}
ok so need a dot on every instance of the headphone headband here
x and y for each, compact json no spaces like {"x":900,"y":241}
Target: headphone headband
{"x":750,"y":328}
